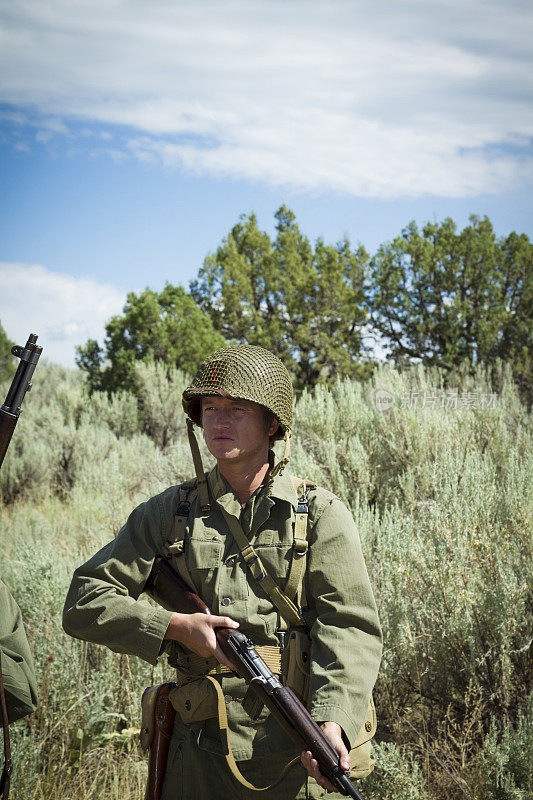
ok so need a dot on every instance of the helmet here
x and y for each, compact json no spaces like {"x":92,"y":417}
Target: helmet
{"x":246,"y":372}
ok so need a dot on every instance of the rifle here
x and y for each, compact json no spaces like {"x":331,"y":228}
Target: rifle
{"x":21,"y":383}
{"x":169,"y":590}
{"x":9,"y":415}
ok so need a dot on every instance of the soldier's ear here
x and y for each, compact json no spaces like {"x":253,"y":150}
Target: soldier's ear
{"x":274,"y":425}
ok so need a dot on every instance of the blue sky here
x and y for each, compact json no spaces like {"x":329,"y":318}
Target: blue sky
{"x":133,"y":135}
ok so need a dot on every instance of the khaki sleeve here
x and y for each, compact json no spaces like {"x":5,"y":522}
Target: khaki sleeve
{"x":103,"y":603}
{"x":345,"y":632}
{"x":20,"y":685}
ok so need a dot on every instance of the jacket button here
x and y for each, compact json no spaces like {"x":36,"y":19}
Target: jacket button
{"x":226,"y":601}
{"x":228,"y":698}
{"x":231,"y":562}
{"x":368,"y":727}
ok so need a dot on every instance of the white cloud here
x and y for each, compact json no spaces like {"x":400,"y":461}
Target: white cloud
{"x":62,"y":310}
{"x":389,"y":99}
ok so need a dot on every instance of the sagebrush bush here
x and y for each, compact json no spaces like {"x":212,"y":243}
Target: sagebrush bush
{"x":503,"y":770}
{"x":440,"y":493}
{"x":397,"y":775}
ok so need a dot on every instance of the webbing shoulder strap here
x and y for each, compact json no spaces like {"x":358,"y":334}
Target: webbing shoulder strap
{"x":293,"y":586}
{"x":186,"y":494}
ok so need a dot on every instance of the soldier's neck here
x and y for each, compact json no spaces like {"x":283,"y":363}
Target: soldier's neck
{"x":244,"y":479}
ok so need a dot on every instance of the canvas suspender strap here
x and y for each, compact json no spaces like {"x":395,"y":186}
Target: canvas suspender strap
{"x":203,"y":492}
{"x":288,"y":610}
{"x":230,"y":758}
{"x":5,"y":780}
{"x":293,"y":586}
{"x":179,"y":530}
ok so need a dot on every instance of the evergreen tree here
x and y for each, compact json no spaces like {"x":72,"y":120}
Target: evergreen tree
{"x":304,"y":304}
{"x":167,"y":327}
{"x":446,"y":298}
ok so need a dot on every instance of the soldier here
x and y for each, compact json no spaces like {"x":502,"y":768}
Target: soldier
{"x":295,"y":583}
{"x":19,"y":686}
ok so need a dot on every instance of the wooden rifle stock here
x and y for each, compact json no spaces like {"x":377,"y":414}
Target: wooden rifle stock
{"x":169,"y":590}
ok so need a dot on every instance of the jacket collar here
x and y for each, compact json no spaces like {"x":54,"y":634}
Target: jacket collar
{"x":278,"y":488}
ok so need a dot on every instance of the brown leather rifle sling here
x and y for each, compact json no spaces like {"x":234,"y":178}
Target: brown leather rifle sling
{"x":5,"y":780}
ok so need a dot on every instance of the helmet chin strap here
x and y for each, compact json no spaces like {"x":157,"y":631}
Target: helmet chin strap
{"x":278,"y":468}
{"x":203,"y":494}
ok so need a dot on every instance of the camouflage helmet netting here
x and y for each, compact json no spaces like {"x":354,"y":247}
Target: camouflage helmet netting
{"x":247,"y":372}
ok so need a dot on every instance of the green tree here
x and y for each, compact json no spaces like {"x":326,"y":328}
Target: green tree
{"x":167,"y":327}
{"x":304,"y":304}
{"x":7,"y":361}
{"x":446,"y":298}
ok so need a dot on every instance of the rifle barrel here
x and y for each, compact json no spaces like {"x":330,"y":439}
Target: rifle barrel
{"x":21,"y":383}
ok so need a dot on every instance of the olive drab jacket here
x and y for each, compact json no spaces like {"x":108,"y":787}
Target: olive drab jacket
{"x":104,"y":604}
{"x":18,"y":675}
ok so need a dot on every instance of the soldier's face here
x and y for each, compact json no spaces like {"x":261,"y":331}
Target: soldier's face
{"x":235,"y":430}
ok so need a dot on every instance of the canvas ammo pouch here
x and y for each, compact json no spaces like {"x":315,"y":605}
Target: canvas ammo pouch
{"x":195,"y":701}
{"x":297,"y":659}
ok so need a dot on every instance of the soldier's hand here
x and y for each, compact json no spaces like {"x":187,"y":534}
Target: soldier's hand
{"x":334,"y":733}
{"x":197,"y":632}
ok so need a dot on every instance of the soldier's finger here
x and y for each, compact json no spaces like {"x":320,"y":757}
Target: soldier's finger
{"x":311,"y":765}
{"x":223,"y":622}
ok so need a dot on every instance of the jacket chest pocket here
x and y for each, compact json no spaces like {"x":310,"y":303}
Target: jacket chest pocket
{"x":204,"y":558}
{"x":277,"y":560}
